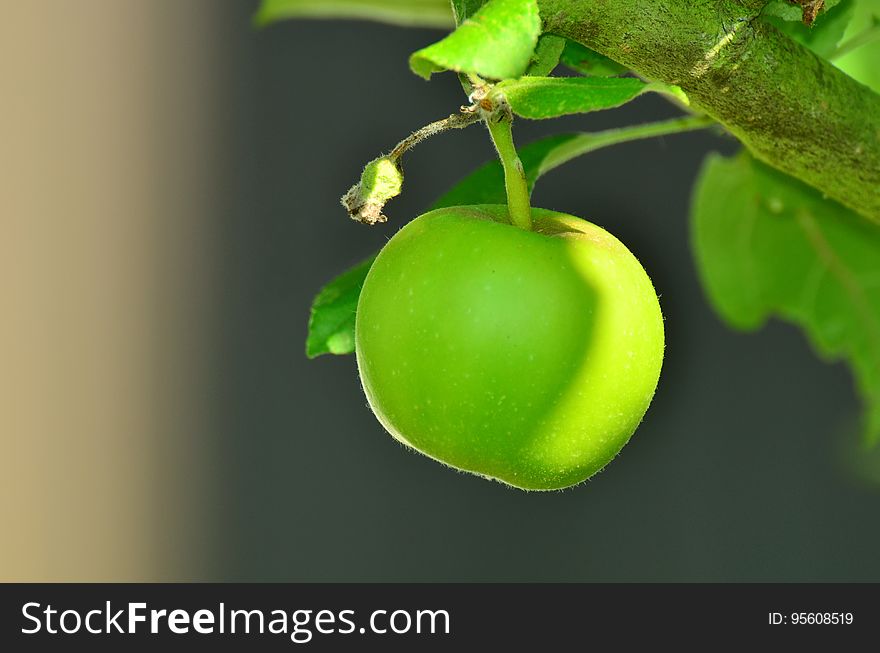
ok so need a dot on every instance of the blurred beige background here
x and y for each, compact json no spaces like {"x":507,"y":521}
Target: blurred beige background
{"x":105,"y":169}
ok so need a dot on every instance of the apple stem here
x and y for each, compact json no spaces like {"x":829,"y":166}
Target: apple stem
{"x":518,"y":203}
{"x":455,"y":121}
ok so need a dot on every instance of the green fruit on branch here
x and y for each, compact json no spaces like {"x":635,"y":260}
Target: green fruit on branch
{"x":526,"y":356}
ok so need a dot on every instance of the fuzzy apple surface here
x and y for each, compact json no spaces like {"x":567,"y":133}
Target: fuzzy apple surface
{"x":529,"y":357}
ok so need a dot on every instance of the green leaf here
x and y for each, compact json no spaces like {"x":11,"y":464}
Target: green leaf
{"x":793,"y":10}
{"x":768,"y":245}
{"x":495,"y":43}
{"x":464,"y":9}
{"x":546,"y":56}
{"x":863,"y":34}
{"x":331,"y":325}
{"x":588,"y":62}
{"x":549,"y":97}
{"x":783,"y":10}
{"x":824,"y":34}
{"x":413,"y":13}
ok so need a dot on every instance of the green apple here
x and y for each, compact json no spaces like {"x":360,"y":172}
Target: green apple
{"x":529,"y":357}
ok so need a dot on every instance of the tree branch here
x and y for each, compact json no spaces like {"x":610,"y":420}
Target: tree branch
{"x":792,"y":109}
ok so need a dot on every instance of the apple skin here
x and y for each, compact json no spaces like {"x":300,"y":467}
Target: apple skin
{"x":528,"y":357}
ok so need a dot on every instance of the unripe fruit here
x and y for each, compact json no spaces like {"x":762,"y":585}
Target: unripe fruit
{"x":529,"y":357}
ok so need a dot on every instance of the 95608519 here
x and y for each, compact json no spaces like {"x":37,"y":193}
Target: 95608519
{"x":810,"y":618}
